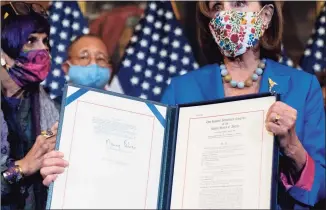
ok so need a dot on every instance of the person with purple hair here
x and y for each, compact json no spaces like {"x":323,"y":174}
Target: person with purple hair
{"x":30,"y":115}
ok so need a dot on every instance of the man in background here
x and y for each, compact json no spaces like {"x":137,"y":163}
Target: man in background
{"x":88,"y":63}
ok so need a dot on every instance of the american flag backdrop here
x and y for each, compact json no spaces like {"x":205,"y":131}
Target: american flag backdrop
{"x":157,"y":51}
{"x":285,"y":60}
{"x":67,"y":22}
{"x":314,"y":58}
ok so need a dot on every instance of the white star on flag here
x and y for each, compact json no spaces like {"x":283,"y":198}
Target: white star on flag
{"x":286,"y":60}
{"x":314,"y":58}
{"x":66,"y":23}
{"x":156,"y":52}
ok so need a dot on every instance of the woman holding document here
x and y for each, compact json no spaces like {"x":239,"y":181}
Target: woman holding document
{"x":247,"y":37}
{"x":27,"y":109}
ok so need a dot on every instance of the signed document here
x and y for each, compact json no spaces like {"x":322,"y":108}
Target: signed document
{"x":224,"y":156}
{"x":114,"y":148}
{"x":129,"y":153}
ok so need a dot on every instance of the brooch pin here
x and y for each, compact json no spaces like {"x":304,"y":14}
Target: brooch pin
{"x":271,"y":85}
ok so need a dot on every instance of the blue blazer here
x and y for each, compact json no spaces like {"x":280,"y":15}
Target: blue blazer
{"x":298,"y":89}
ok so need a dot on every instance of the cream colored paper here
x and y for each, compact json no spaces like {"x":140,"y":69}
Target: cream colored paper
{"x":223,"y":156}
{"x":114,"y":147}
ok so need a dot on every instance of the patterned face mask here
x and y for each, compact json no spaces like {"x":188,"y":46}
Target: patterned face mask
{"x":235,"y":32}
{"x":30,"y":68}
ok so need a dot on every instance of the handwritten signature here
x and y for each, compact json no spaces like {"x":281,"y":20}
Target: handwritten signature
{"x":123,"y":146}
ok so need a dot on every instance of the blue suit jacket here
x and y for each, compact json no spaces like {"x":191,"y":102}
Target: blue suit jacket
{"x":298,"y":89}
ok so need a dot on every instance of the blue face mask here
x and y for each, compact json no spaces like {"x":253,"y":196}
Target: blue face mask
{"x":92,"y":76}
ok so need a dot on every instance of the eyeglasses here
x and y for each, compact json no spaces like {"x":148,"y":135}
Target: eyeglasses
{"x":22,"y":8}
{"x":86,"y":58}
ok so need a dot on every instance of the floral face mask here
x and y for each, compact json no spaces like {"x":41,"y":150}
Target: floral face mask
{"x":235,"y":32}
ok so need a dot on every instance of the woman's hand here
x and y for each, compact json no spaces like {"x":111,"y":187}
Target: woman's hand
{"x":281,"y":120}
{"x":53,"y":165}
{"x":31,"y":163}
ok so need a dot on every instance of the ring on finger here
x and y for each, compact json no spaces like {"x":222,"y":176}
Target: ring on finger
{"x":47,"y":134}
{"x":277,"y":118}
